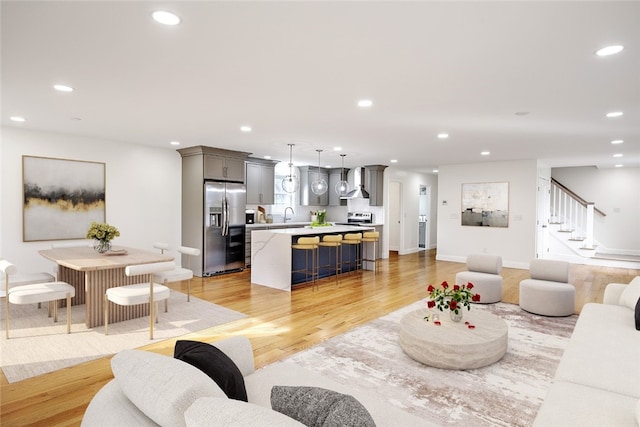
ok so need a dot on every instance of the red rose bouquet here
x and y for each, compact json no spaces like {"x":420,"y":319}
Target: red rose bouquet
{"x":452,"y":298}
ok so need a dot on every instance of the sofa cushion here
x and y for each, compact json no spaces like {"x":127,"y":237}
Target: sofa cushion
{"x":603,"y":351}
{"x":211,"y":411}
{"x":484,"y":263}
{"x":551,"y":270}
{"x":259,"y":386}
{"x":317,"y":407}
{"x":631,"y":293}
{"x":162,"y":387}
{"x":110,"y":407}
{"x":567,"y":405}
{"x":215,"y":363}
{"x":638,"y":315}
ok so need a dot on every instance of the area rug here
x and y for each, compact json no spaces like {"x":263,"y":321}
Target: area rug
{"x":37,"y":345}
{"x":507,"y":393}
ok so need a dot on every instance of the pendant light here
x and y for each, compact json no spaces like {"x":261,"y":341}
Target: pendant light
{"x":319,"y":185}
{"x":342,"y":186}
{"x":290,"y":183}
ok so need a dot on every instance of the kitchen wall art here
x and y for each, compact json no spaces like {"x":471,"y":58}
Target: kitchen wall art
{"x":485,"y":204}
{"x":61,"y":198}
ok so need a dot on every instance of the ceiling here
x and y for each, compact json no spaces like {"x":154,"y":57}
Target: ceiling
{"x":294,"y":72}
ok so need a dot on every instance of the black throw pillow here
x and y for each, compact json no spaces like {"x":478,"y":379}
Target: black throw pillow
{"x":319,"y":407}
{"x":638,"y":315}
{"x":213,"y":362}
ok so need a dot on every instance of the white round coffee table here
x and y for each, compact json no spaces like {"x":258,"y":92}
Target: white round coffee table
{"x":452,"y":345}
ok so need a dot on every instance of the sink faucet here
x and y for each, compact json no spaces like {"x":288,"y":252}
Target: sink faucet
{"x":285,"y":213}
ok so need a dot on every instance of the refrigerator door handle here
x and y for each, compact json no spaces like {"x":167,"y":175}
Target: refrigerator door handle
{"x":225,"y":218}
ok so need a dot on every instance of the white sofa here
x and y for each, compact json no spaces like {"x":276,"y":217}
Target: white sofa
{"x":152,"y":389}
{"x":597,"y":382}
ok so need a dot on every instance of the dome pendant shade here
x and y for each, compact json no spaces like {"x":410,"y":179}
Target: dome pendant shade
{"x":319,"y":185}
{"x":290,"y":183}
{"x":342,"y":186}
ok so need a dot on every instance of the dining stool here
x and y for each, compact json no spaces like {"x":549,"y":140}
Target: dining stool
{"x":372,"y":237}
{"x":178,"y":273}
{"x":139,"y":293}
{"x":332,"y":241}
{"x":49,"y":292}
{"x":354,"y":240}
{"x":310,"y":246}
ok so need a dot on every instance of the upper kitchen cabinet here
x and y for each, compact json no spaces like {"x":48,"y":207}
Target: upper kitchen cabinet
{"x":375,"y":184}
{"x":335,"y":176}
{"x":260,"y":180}
{"x":309,"y":174}
{"x":216,"y":163}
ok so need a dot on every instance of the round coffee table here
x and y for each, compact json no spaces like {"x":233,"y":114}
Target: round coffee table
{"x":452,"y":345}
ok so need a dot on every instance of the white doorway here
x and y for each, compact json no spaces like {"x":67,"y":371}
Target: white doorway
{"x":424,"y":201}
{"x":543,"y":216}
{"x":395,"y":215}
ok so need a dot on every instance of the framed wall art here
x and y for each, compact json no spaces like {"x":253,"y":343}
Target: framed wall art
{"x":485,"y":204}
{"x":61,"y":198}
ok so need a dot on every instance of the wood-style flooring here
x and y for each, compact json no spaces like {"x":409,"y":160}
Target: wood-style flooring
{"x":279,"y":324}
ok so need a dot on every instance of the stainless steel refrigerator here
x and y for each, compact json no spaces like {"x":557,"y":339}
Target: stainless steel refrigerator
{"x":224,"y":227}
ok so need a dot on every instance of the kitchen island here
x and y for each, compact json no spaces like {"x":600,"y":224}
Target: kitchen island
{"x":272,"y":260}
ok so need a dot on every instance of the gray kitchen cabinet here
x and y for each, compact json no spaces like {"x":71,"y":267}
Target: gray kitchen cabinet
{"x":375,"y":184}
{"x":308,"y":174}
{"x":223,"y":168}
{"x":260,"y":177}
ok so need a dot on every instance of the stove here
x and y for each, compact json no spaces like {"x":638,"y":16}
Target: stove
{"x":358,"y":218}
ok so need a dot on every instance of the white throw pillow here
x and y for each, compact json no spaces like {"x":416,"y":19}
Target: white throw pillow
{"x":162,"y":387}
{"x":631,"y":293}
{"x":212,"y":411}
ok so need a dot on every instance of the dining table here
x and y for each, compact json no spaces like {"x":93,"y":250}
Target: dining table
{"x":91,"y":273}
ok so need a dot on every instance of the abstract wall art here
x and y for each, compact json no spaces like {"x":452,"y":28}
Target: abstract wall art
{"x":61,"y":197}
{"x":485,"y":204}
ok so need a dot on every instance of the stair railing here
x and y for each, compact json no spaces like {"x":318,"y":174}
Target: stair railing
{"x":574,"y":213}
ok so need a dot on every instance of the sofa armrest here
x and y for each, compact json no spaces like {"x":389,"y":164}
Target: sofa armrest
{"x":239,"y":350}
{"x":612,"y":293}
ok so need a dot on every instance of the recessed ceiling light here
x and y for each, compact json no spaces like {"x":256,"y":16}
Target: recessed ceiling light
{"x":618,"y":155}
{"x":174,"y":143}
{"x":63,"y":88}
{"x":617,"y":141}
{"x":485,"y":153}
{"x":328,"y":166}
{"x":267,"y":157}
{"x":245,"y":128}
{"x":166,"y":18}
{"x":435,"y":171}
{"x":17,"y":119}
{"x":337,"y":148}
{"x":393,"y":161}
{"x":619,"y":165}
{"x":609,"y":50}
{"x":615,"y":114}
{"x":443,"y":135}
{"x":365,"y":103}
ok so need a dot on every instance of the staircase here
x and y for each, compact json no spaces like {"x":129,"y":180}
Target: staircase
{"x":572,"y":220}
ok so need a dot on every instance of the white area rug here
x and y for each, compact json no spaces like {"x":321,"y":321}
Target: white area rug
{"x":507,"y":393}
{"x":37,"y":345}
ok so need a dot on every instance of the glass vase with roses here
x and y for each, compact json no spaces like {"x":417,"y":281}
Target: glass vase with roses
{"x":452,"y":298}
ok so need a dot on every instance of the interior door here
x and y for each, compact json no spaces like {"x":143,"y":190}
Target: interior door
{"x":395,"y":225}
{"x":543,"y":214}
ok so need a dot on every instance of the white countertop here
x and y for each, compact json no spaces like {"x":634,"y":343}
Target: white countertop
{"x":298,"y":224}
{"x":308,"y":230}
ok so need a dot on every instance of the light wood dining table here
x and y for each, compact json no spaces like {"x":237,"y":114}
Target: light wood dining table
{"x":92,"y":273}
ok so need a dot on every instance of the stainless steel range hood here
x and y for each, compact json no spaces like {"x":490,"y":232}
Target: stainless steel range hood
{"x":359,"y":192}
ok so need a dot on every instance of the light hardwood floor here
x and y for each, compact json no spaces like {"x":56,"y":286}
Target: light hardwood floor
{"x":279,"y":324}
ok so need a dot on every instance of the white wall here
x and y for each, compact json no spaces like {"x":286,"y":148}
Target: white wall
{"x":410,"y":209}
{"x":616,"y":193}
{"x":142,"y":191}
{"x":515,"y":243}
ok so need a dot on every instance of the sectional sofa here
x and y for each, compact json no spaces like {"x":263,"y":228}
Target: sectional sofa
{"x":597,"y":382}
{"x":150,"y":389}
